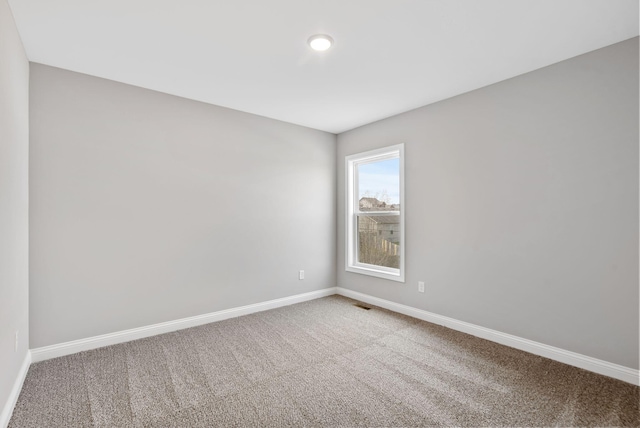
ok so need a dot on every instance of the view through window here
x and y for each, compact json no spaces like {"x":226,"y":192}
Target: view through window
{"x":378,"y":193}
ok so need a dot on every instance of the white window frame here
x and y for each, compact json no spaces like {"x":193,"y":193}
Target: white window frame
{"x":353,"y":211}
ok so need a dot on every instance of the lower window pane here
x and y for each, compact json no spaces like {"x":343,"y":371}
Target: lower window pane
{"x":378,"y":240}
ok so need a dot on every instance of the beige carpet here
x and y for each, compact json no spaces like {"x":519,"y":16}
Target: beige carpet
{"x":320,"y":363}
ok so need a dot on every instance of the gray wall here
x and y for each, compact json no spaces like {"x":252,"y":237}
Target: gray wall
{"x":147,"y":207}
{"x":14,"y":202}
{"x":522,"y":205}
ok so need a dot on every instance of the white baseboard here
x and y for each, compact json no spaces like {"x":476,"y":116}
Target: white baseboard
{"x":7,"y":411}
{"x":67,"y":348}
{"x":572,"y":358}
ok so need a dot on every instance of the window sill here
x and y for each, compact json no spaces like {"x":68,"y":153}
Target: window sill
{"x":372,"y":271}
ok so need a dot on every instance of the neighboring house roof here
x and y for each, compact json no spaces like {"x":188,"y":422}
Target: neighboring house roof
{"x":373,"y":204}
{"x":384,"y":219}
{"x":373,"y":201}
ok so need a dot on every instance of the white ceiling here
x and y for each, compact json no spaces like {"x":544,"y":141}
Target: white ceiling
{"x":389,"y":56}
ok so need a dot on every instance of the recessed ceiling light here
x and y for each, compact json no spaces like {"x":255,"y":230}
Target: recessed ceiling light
{"x":320,"y":42}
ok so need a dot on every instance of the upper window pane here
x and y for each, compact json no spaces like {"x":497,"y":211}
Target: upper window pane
{"x":379,"y":185}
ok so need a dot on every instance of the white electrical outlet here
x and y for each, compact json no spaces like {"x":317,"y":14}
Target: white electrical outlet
{"x":301,"y":274}
{"x":15,"y":349}
{"x":421,"y":286}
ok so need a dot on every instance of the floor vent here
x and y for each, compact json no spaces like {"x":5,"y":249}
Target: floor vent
{"x":361,"y":306}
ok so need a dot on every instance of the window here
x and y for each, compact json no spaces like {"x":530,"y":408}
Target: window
{"x":375,"y":213}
